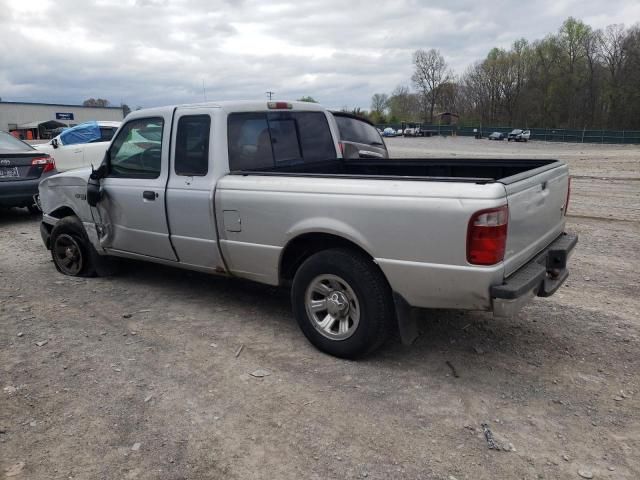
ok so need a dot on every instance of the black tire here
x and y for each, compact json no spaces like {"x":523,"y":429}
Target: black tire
{"x":373,"y":296}
{"x":82,"y":260}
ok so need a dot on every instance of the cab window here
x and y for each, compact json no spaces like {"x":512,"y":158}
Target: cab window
{"x":263,"y":140}
{"x":192,"y":145}
{"x":136,"y":151}
{"x":106,"y":134}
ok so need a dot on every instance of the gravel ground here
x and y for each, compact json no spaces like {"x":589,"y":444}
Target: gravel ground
{"x":147,"y":374}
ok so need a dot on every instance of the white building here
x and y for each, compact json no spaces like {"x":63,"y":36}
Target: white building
{"x":36,"y":120}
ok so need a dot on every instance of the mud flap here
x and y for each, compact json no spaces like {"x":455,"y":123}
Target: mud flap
{"x":407,"y":320}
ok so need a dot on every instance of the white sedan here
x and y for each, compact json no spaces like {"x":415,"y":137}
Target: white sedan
{"x":80,"y":146}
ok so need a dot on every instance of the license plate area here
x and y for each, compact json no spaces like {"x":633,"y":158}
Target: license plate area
{"x":9,"y":172}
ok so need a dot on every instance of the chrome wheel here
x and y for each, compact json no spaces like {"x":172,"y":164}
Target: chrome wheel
{"x":68,"y":255}
{"x":332,"y":307}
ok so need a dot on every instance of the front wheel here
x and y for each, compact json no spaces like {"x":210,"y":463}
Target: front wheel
{"x":72,"y":252}
{"x":342,"y":303}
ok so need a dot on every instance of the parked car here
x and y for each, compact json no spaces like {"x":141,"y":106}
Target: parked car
{"x":22,"y":167}
{"x":518,"y":135}
{"x":260,"y":191}
{"x":359,"y":137}
{"x":413,"y":130}
{"x":80,"y":146}
{"x":497,"y":136}
{"x":388,"y":132}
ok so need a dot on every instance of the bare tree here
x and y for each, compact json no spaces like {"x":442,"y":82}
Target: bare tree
{"x":592,"y":48}
{"x":614,"y":54}
{"x":403,"y":104}
{"x":379,"y":103}
{"x":431,"y":71}
{"x":577,"y":77}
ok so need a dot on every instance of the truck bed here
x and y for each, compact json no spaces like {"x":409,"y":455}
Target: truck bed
{"x":436,"y":169}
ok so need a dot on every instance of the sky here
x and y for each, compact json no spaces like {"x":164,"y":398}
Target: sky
{"x":160,"y":52}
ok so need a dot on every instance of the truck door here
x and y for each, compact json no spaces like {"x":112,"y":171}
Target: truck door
{"x":190,"y":189}
{"x":131,"y":214}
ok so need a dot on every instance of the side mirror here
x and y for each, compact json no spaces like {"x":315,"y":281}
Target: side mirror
{"x":93,"y":191}
{"x":94,"y":194}
{"x":54,"y":143}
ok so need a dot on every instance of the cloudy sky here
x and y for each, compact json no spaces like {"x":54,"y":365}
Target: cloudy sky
{"x":157,"y":52}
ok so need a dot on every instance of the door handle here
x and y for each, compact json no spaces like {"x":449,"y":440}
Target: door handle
{"x":149,"y":195}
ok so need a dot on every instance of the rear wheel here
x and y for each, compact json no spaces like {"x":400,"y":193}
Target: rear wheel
{"x":72,"y":252}
{"x":342,"y":303}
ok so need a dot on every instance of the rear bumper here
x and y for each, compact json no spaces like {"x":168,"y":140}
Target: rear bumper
{"x":19,"y":193}
{"x":541,"y":277}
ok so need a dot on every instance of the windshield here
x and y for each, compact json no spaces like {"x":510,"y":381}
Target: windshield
{"x":8,"y":143}
{"x":352,"y":130}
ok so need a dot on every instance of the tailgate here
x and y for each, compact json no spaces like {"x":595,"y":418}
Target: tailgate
{"x":536,"y":202}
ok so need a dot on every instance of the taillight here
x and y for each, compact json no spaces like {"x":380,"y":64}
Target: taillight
{"x":566,"y":202}
{"x":487,"y":236}
{"x":341,"y":146}
{"x":48,"y":162}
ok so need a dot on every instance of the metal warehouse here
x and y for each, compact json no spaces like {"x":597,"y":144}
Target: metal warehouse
{"x":40,"y":120}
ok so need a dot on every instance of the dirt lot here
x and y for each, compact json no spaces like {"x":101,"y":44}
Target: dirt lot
{"x":140,"y":375}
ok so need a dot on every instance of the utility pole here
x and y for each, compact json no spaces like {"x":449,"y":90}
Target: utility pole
{"x":271,"y":94}
{"x":204,"y":92}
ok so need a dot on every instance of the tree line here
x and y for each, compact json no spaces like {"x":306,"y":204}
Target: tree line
{"x":579,"y":77}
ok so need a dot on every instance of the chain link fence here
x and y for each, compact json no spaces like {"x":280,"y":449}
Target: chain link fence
{"x":544,"y":134}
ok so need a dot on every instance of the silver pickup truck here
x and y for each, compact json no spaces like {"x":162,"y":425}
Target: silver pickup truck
{"x":260,"y":191}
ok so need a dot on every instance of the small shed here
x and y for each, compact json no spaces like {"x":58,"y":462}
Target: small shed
{"x":448,"y":118}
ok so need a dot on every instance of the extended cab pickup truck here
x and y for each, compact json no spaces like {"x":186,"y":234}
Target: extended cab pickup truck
{"x":260,"y":191}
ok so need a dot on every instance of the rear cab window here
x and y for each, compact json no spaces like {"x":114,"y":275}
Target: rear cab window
{"x":263,"y":140}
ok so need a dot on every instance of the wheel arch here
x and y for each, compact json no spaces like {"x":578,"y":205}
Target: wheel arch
{"x":62,"y":212}
{"x":302,"y":246}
